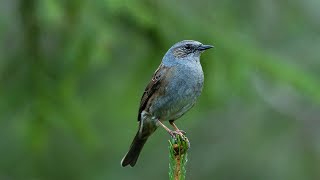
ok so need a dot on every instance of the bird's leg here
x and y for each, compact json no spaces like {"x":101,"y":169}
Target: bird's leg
{"x":165,"y":127}
{"x":181,"y":132}
{"x":174,"y":126}
{"x":172,"y":133}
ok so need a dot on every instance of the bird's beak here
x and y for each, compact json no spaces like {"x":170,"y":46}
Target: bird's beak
{"x":204,"y":47}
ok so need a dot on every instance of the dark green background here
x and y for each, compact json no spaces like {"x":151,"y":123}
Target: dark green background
{"x":72,"y":73}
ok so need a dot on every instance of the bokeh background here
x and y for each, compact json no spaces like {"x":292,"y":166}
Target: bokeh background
{"x":72,"y":74}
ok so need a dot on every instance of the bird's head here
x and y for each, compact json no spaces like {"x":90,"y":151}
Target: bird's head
{"x":185,"y":50}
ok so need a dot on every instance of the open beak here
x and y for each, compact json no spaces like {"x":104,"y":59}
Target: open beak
{"x":204,"y":47}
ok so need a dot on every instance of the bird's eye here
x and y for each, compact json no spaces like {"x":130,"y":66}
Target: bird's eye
{"x":188,"y":46}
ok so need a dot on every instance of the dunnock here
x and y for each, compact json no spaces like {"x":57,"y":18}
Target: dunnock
{"x":172,"y":91}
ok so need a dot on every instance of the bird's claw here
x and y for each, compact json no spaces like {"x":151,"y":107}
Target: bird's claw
{"x":176,"y":133}
{"x":179,"y":133}
{"x":182,"y":131}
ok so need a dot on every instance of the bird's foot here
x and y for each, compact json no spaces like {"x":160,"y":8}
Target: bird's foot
{"x":179,"y":132}
{"x":179,"y":135}
{"x":176,"y":133}
{"x":177,"y":129}
{"x":182,"y":132}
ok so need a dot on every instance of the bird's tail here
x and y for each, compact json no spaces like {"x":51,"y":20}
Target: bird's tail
{"x":136,"y":146}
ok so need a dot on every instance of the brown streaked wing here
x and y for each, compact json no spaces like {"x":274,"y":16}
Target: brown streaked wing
{"x":153,"y":86}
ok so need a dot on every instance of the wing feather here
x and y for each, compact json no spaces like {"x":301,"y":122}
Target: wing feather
{"x":154,"y":87}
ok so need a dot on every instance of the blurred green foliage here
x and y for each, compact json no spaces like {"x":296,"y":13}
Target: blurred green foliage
{"x":72,"y":73}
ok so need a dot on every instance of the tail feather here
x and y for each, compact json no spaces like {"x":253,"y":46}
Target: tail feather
{"x":133,"y":154}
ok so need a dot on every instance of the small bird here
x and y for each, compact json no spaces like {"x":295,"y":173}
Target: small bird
{"x":172,"y":91}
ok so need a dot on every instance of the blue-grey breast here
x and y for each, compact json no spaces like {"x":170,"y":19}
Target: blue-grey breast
{"x":172,"y":91}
